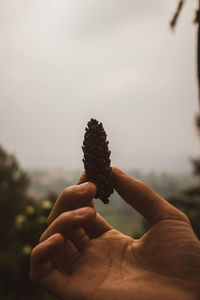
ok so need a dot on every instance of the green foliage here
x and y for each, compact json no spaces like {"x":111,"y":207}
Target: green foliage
{"x":13,"y":186}
{"x":189,"y":200}
{"x":196,"y":166}
{"x":22,"y":221}
{"x":190,"y":205}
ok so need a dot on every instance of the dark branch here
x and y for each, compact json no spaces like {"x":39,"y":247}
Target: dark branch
{"x":177,"y":14}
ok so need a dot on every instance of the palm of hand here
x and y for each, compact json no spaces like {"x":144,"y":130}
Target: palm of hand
{"x":114,"y":262}
{"x":164,"y":263}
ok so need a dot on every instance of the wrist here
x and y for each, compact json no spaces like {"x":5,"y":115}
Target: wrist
{"x":161,"y":287}
{"x":173,"y":289}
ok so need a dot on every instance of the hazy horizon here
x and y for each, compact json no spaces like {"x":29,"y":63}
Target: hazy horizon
{"x":169,"y":165}
{"x":63,"y":62}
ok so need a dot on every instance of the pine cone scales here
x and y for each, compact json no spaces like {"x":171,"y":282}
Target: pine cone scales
{"x":97,"y":159}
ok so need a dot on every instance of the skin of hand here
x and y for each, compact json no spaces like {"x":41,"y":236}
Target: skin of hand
{"x":80,"y":256}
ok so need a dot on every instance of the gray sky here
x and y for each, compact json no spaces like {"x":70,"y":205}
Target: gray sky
{"x":63,"y":62}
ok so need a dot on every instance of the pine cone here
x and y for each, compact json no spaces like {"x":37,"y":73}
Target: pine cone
{"x":97,"y":159}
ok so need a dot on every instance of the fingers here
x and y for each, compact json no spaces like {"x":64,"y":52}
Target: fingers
{"x":97,"y":227}
{"x":41,"y":271}
{"x":79,"y":238}
{"x":68,"y":222}
{"x":66,"y":257}
{"x":146,"y":201}
{"x":73,"y":197}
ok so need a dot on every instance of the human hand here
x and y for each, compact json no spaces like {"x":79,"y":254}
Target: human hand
{"x":98,"y":262}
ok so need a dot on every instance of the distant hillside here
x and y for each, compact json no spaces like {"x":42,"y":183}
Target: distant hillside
{"x":166,"y":184}
{"x":118,"y":213}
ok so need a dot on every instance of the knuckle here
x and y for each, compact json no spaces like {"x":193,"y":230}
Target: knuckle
{"x":64,"y":216}
{"x":66,"y":192}
{"x":184,"y":217}
{"x":33,"y":253}
{"x":143,"y":189}
{"x":48,"y":220}
{"x":178,"y":214}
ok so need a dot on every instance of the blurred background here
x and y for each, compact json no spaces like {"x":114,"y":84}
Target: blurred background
{"x":64,"y":62}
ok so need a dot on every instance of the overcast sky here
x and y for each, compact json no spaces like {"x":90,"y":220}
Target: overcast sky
{"x":63,"y":62}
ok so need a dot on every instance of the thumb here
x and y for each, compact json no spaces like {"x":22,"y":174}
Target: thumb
{"x":145,"y":200}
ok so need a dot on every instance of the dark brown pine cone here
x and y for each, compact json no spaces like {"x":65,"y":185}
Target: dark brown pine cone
{"x":97,"y":159}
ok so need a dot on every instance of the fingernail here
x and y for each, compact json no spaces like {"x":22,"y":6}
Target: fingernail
{"x":80,"y":211}
{"x":81,"y":187}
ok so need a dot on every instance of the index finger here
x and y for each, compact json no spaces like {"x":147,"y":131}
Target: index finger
{"x":73,"y":197}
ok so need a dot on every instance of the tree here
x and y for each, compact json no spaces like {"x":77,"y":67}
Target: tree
{"x":173,"y":24}
{"x":189,"y":200}
{"x":13,"y":186}
{"x":22,"y":220}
